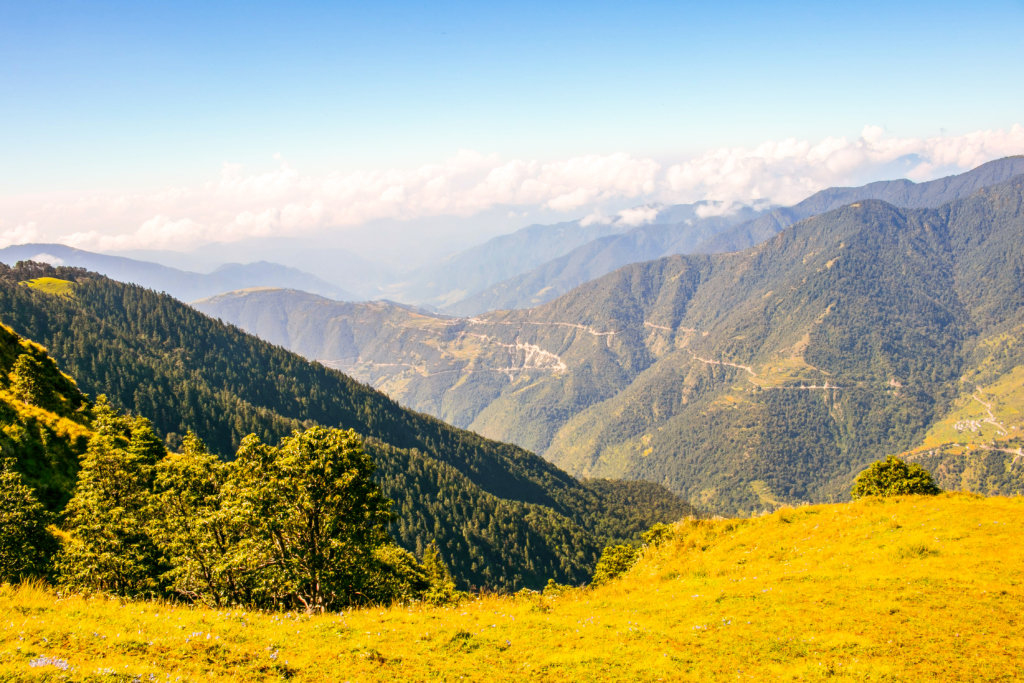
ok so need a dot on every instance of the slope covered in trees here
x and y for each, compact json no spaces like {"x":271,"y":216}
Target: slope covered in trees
{"x":740,"y":380}
{"x":501,"y":516}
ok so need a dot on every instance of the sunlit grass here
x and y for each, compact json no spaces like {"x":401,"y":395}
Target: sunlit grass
{"x":52,"y":285}
{"x":910,"y":589}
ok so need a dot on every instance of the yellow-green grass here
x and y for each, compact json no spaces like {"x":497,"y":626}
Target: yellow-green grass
{"x":919,"y":588}
{"x":52,"y":285}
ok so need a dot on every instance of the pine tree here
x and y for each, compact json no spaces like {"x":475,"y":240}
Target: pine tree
{"x":26,"y":547}
{"x":27,"y":382}
{"x":108,"y":548}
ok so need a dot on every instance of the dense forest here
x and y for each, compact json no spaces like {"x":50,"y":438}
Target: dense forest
{"x":500,"y":516}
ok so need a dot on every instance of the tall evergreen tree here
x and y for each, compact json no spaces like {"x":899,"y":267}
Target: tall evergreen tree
{"x":192,"y":528}
{"x":25,"y":545}
{"x":108,"y":548}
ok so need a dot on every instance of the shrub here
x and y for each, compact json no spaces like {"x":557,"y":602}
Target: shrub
{"x":894,"y":477}
{"x":657,"y":535}
{"x":615,"y":561}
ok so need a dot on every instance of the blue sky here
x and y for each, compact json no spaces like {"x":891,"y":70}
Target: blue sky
{"x":102,"y":94}
{"x":116,"y":118}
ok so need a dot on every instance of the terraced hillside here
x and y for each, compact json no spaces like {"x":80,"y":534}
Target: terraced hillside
{"x":739,"y":380}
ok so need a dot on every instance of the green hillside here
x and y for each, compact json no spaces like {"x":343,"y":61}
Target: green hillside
{"x":44,"y":419}
{"x":502,"y":517}
{"x":741,"y":381}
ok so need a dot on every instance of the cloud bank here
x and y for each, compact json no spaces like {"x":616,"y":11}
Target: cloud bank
{"x":285,"y":202}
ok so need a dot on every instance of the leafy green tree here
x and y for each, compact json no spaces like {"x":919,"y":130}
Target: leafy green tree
{"x":313,"y":517}
{"x":108,"y":548}
{"x":191,"y":526}
{"x":894,"y":477}
{"x":26,"y":547}
{"x":615,"y":561}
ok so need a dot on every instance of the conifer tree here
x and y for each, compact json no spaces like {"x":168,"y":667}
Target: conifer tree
{"x":27,"y":382}
{"x":26,"y":547}
{"x":108,"y":548}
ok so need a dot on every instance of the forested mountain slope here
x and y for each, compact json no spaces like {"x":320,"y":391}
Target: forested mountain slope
{"x":739,"y":380}
{"x":712,"y":235}
{"x":502,"y":516}
{"x":181,"y":284}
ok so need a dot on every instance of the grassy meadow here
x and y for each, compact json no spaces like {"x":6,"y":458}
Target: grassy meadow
{"x":908,"y":589}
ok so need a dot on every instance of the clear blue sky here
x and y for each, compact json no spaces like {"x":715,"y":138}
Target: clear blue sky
{"x":141,"y":93}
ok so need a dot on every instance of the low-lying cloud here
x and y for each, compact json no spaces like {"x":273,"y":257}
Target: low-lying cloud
{"x":285,"y":202}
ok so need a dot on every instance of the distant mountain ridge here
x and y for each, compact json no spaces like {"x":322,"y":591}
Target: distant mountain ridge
{"x":736,"y":379}
{"x":592,"y":260}
{"x":182,"y":285}
{"x":463,"y":275}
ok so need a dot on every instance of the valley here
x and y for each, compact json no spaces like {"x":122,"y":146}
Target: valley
{"x":705,"y":373}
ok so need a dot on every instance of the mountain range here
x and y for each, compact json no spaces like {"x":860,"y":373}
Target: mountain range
{"x":458,"y":279}
{"x":710,"y":235}
{"x":181,"y":284}
{"x":739,"y":380}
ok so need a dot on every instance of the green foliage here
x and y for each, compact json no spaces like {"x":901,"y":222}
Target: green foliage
{"x":615,"y":561}
{"x":440,"y":584}
{"x":894,"y":477}
{"x":657,"y":535}
{"x":396,"y":576}
{"x":194,"y":529}
{"x":43,"y":419}
{"x":26,"y":546}
{"x":27,"y":383}
{"x":108,"y":548}
{"x":313,"y":517}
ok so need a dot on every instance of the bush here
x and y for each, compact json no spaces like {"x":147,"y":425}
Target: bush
{"x":615,"y":561}
{"x":894,"y":477}
{"x":657,"y":535}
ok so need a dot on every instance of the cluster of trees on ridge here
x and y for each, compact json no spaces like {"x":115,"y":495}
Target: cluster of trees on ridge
{"x":303,"y":525}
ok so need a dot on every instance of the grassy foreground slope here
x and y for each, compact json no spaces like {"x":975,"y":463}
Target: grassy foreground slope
{"x":911,"y":589}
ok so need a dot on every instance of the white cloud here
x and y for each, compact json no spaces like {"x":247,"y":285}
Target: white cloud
{"x":19,"y":234}
{"x":47,"y":258}
{"x":640,"y":215}
{"x":789,"y":171}
{"x":285,"y":202}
